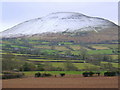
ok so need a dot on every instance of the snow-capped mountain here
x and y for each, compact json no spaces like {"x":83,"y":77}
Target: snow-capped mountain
{"x":58,"y":22}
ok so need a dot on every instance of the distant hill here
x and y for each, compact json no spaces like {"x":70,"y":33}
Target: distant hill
{"x":65,"y":26}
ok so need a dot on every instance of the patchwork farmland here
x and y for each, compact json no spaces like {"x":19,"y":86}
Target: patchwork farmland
{"x":38,"y":51}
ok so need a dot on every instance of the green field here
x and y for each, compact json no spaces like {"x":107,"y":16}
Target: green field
{"x":109,"y":51}
{"x":99,"y":47}
{"x":55,"y":60}
{"x":112,"y":46}
{"x":32,"y":73}
{"x":42,"y":46}
{"x":47,"y":47}
{"x":75,"y":47}
{"x":15,"y":46}
{"x":78,"y":65}
{"x":114,"y":56}
{"x":58,"y":52}
{"x":61,"y":48}
{"x":65,"y":43}
{"x":114,"y":64}
{"x":82,"y":65}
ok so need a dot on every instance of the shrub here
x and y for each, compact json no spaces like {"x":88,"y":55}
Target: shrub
{"x":110,"y":74}
{"x":10,"y":75}
{"x":38,"y":74}
{"x":62,"y":74}
{"x":46,"y":74}
{"x":87,"y":74}
{"x":91,"y":74}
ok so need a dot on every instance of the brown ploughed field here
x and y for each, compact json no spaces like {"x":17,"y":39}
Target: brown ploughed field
{"x":62,"y":82}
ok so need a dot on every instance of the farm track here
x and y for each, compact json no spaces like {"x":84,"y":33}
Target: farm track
{"x":73,"y":81}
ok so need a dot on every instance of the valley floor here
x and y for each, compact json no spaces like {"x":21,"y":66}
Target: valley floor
{"x":62,"y":82}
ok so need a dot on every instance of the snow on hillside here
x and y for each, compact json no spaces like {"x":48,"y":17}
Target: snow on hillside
{"x":57,"y":22}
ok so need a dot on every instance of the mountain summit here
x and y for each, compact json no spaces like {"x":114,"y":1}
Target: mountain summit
{"x":58,"y":22}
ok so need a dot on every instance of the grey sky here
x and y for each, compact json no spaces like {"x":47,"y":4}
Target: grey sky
{"x":14,"y":13}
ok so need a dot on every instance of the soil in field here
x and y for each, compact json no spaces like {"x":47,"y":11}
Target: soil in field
{"x":62,"y":82}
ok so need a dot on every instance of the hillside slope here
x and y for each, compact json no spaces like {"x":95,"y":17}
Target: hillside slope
{"x":60,"y":22}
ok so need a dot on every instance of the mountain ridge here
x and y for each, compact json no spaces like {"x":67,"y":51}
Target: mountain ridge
{"x":59,"y":22}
